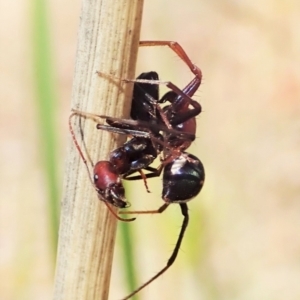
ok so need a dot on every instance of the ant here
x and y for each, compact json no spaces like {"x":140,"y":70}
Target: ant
{"x":135,"y":155}
{"x":170,"y":130}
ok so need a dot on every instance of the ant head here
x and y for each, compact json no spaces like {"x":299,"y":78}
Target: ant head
{"x":109,"y":185}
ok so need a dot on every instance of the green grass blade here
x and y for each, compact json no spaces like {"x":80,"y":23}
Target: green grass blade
{"x":46,"y":107}
{"x":127,"y":238}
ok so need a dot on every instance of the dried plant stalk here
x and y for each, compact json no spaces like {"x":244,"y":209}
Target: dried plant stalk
{"x":108,"y":42}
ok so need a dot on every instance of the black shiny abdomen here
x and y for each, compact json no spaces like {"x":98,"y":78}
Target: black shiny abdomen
{"x":183,"y":178}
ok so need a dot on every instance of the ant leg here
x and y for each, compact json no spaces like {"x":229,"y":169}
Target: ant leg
{"x":135,"y":133}
{"x":185,"y":222}
{"x":143,"y":131}
{"x":154,"y":172}
{"x":143,"y":212}
{"x":140,"y":125}
{"x":116,"y":216}
{"x":143,"y":176}
{"x":119,"y":122}
{"x":96,"y":118}
{"x":148,"y":135}
{"x":178,"y":50}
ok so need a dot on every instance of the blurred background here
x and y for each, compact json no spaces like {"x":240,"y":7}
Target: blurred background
{"x":243,"y":241}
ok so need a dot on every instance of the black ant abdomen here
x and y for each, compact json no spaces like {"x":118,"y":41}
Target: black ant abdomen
{"x":183,"y":179}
